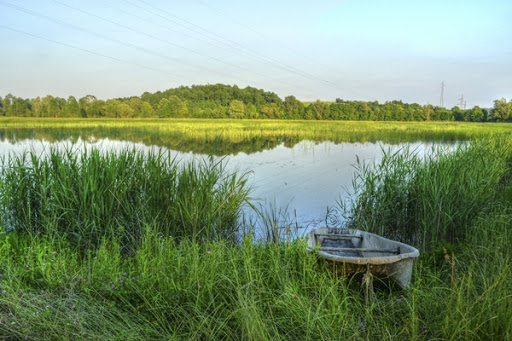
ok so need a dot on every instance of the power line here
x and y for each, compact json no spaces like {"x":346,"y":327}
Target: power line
{"x":148,"y":35}
{"x":206,"y":33}
{"x":165,"y":27}
{"x":230,"y":43}
{"x":81,"y":29}
{"x":295,"y":52}
{"x":250,"y":28}
{"x":140,"y":48}
{"x":87,"y":50}
{"x":179,"y":24}
{"x":165,"y":41}
{"x":102,"y":36}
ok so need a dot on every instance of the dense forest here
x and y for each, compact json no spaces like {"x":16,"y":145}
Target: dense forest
{"x":225,"y":101}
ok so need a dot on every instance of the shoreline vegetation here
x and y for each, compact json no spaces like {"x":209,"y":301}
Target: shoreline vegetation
{"x":70,"y":272}
{"x":225,"y":101}
{"x":224,"y":137}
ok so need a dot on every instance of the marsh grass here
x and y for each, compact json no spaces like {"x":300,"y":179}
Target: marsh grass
{"x":176,"y":288}
{"x":233,"y":136}
{"x":275,"y":224}
{"x":169,"y":290}
{"x":87,"y":195}
{"x":274,"y":291}
{"x":432,"y":199}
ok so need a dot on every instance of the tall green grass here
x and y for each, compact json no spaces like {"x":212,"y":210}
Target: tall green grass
{"x":168,"y":290}
{"x":275,"y":291}
{"x":432,"y":199}
{"x":186,"y":288}
{"x":86,"y":195}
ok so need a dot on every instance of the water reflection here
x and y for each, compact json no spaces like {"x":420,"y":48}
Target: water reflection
{"x":310,"y":179}
{"x":219,"y":142}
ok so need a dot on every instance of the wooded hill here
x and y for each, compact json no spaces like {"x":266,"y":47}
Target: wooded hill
{"x":226,"y":101}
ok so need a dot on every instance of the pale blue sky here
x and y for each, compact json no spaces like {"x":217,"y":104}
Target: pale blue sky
{"x":365,"y":49}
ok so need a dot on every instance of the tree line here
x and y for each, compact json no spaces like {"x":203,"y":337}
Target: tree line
{"x":226,"y":101}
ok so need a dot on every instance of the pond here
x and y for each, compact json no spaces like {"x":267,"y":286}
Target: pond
{"x":300,"y":184}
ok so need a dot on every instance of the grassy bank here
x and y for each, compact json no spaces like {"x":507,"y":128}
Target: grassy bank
{"x":171,"y":287}
{"x":258,"y":292}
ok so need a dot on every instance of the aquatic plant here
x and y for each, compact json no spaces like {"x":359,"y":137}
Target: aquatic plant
{"x":431,"y":199}
{"x":86,"y":194}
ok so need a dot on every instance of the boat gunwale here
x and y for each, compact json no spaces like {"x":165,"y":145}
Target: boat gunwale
{"x":410,"y":251}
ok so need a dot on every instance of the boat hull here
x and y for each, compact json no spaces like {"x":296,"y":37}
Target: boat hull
{"x":350,"y":251}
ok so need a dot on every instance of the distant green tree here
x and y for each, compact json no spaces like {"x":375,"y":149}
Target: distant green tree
{"x":146,"y":110}
{"x":236,"y":109}
{"x":271,"y":97}
{"x":365,"y":112}
{"x":398,"y":111}
{"x":428,"y":110}
{"x":458,"y":114}
{"x":37,"y":107}
{"x":348,"y":111}
{"x":50,"y":105}
{"x":8,"y":105}
{"x":18,"y":106}
{"x":309,"y":113}
{"x":125,"y":111}
{"x":416,"y":113}
{"x":332,"y":112}
{"x":220,"y":101}
{"x":116,"y":108}
{"x":476,"y":114}
{"x":61,"y":103}
{"x":164,"y":109}
{"x":135,"y":104}
{"x":151,"y":99}
{"x":251,"y":111}
{"x":111,"y":108}
{"x":318,"y":109}
{"x":271,"y":110}
{"x":293,"y":107}
{"x":250,"y":95}
{"x":375,"y":108}
{"x":96,"y":108}
{"x":442,"y":114}
{"x":177,"y":107}
{"x":486,"y":115}
{"x":85,"y":103}
{"x":218,"y":111}
{"x":388,"y":111}
{"x":502,"y":110}
{"x":71,"y":108}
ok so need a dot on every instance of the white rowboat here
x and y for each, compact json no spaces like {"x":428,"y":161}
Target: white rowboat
{"x":350,"y":251}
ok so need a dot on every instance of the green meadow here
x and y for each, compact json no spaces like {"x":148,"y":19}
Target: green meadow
{"x":116,"y":245}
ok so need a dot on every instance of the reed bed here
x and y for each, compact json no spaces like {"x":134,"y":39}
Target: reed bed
{"x":233,"y":136}
{"x":174,"y":287}
{"x":87,"y":195}
{"x":436,"y":198}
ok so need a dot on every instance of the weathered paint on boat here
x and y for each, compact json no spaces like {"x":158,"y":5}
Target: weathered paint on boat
{"x":349,"y":251}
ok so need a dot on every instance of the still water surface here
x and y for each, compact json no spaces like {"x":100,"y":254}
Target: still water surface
{"x":299,"y":184}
